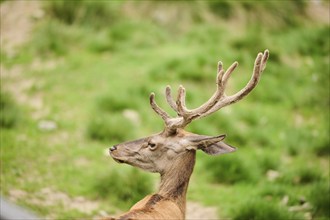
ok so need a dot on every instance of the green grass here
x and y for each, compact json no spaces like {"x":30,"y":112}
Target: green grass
{"x":319,"y":199}
{"x":10,"y":113}
{"x":112,"y":127}
{"x":123,"y":188}
{"x":92,"y":66}
{"x":230,"y":170}
{"x":258,"y":210}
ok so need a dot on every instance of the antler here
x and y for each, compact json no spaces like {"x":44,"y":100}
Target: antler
{"x":217,"y":101}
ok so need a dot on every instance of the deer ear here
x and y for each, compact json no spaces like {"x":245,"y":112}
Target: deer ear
{"x":211,"y":145}
{"x":218,"y":148}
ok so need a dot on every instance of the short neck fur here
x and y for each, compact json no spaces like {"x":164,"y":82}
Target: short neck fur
{"x":174,"y":182}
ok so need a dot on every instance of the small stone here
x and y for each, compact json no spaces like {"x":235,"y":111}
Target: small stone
{"x":272,"y":175}
{"x":132,"y":115}
{"x":285,"y":200}
{"x":47,"y":125}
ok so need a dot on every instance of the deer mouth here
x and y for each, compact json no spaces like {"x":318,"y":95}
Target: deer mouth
{"x":118,"y":160}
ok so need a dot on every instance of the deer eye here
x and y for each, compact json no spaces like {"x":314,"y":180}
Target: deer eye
{"x":152,"y":146}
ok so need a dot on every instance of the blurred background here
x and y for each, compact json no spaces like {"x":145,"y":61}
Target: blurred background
{"x":76,"y":78}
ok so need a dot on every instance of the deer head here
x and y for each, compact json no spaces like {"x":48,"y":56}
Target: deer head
{"x":172,"y":151}
{"x":155,"y":152}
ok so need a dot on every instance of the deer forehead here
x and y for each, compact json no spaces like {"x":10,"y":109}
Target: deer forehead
{"x":177,"y":145}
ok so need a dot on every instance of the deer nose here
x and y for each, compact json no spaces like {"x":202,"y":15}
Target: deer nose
{"x":113,"y":148}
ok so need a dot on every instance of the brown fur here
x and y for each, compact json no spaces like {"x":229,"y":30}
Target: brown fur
{"x":170,"y":201}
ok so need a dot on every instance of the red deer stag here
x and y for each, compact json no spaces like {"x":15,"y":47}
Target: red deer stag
{"x":172,"y":152}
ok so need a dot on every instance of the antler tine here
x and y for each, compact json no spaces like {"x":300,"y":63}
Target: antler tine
{"x":259,"y":66}
{"x":181,"y":102}
{"x":227,"y":75}
{"x":180,"y":105}
{"x":264,"y":60}
{"x":219,"y":72}
{"x":222,"y":78}
{"x":157,"y":109}
{"x":169,"y":98}
{"x":214,"y":98}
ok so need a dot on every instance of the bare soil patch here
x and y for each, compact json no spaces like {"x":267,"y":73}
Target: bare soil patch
{"x":199,"y":212}
{"x":16,"y":22}
{"x":50,"y":197}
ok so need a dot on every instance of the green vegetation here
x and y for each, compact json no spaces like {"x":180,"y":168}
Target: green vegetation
{"x":132,"y":185}
{"x":82,"y":82}
{"x":229,"y":169}
{"x":319,"y":199}
{"x":259,"y":210}
{"x":9,"y":111}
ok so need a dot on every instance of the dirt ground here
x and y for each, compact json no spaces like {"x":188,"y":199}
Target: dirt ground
{"x":17,"y":19}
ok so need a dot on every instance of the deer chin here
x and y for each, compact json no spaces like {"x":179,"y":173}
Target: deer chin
{"x":117,"y":159}
{"x":121,"y":160}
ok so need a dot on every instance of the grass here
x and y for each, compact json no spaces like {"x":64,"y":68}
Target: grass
{"x":9,"y":111}
{"x":92,"y":68}
{"x":230,"y":170}
{"x":125,"y":191}
{"x":319,"y":199}
{"x":258,"y":210}
{"x":107,"y":127}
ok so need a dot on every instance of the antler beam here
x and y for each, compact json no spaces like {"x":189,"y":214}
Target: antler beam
{"x":216,"y":102}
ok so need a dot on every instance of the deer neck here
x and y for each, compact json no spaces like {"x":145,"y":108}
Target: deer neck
{"x":174,"y":182}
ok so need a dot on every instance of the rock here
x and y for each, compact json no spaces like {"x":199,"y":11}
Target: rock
{"x":197,"y":211}
{"x":47,"y":125}
{"x":272,"y":175}
{"x":132,"y":115}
